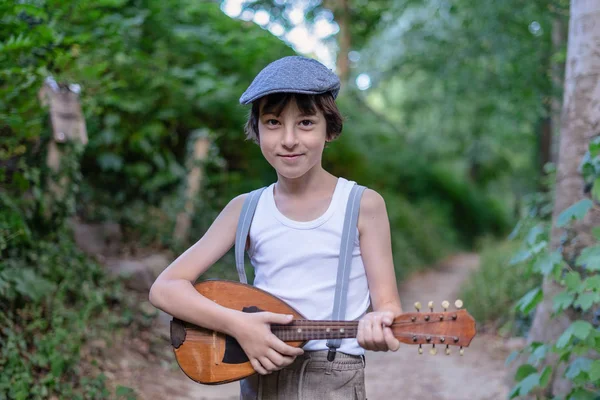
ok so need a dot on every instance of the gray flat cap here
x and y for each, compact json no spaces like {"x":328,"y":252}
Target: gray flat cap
{"x":293,"y":74}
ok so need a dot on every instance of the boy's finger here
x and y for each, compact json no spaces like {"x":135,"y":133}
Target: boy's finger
{"x":360,"y":333}
{"x":392,"y":343}
{"x":279,"y":360}
{"x":368,"y":335}
{"x":274,"y":318}
{"x":387,"y":318}
{"x":377,"y":336}
{"x":285,"y":349}
{"x":258,"y":367}
{"x":268,"y":364}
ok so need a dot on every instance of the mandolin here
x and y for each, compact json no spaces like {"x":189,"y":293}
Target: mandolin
{"x":213,"y":358}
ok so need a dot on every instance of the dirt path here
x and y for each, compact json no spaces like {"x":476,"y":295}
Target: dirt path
{"x":479,"y":375}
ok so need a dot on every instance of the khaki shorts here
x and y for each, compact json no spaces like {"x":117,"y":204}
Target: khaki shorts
{"x":310,"y":377}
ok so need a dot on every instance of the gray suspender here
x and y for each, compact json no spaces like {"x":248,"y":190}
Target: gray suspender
{"x":243,"y":228}
{"x":345,"y":259}
{"x":345,"y":263}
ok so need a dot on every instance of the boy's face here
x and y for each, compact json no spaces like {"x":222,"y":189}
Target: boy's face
{"x":292,"y":142}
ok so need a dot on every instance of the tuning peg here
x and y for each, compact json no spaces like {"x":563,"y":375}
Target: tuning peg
{"x":430,"y":305}
{"x":458,"y":303}
{"x":433,"y":350}
{"x":461,"y":351}
{"x":418,"y":306}
{"x":445,"y":305}
{"x":447,"y":350}
{"x":420,"y":349}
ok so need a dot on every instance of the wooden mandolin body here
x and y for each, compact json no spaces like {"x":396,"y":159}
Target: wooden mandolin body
{"x":210,"y":357}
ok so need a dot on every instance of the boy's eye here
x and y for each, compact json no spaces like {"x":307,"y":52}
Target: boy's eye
{"x":271,"y":122}
{"x":306,"y":123}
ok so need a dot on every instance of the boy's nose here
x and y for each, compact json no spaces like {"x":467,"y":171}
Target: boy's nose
{"x":289,"y":138}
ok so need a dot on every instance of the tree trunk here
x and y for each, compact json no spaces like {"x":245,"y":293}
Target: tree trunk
{"x":342,"y":17}
{"x":544,"y":151}
{"x":580,"y":122}
{"x":559,"y":39}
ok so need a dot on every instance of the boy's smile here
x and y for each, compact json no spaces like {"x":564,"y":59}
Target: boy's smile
{"x":290,"y":157}
{"x":292,"y":142}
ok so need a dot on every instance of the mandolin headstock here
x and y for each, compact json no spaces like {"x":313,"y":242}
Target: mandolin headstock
{"x":445,"y":328}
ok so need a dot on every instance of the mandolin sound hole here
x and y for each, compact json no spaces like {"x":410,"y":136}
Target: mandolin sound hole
{"x":233,"y":351}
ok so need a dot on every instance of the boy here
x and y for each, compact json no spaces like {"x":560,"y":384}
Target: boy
{"x":294,"y":245}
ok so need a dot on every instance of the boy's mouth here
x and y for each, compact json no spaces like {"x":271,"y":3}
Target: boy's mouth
{"x":290,"y":156}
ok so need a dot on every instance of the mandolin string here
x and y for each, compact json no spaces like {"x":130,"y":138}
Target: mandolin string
{"x":341,"y":324}
{"x":317,"y":329}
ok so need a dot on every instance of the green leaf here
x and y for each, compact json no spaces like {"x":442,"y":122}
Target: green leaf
{"x":562,"y":300}
{"x":545,"y":376}
{"x":592,"y":283}
{"x":538,"y":354}
{"x":565,"y":356}
{"x":520,"y":257}
{"x":590,"y":258}
{"x":581,"y":329}
{"x":125,"y":391}
{"x":533,"y":234}
{"x":586,"y":300}
{"x":515,"y":391}
{"x":594,"y":371}
{"x":582,"y":394}
{"x":524,"y":371}
{"x":596,"y":232}
{"x":596,"y":189}
{"x":575,"y":212}
{"x":579,"y":365}
{"x":594,"y":147}
{"x":565,"y":338}
{"x":573,"y":280}
{"x":524,"y":255}
{"x":110,"y":162}
{"x":530,"y":300}
{"x":528,"y":384}
{"x":511,"y":357}
{"x":547,"y":262}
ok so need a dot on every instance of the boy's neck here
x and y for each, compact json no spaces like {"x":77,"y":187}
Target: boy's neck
{"x":313,"y":181}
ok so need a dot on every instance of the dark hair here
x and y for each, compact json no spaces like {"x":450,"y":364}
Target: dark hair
{"x":307,"y":103}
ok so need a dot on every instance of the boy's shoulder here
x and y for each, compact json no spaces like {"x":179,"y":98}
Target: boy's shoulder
{"x":371,"y":201}
{"x":234,"y":207}
{"x":372,"y":210}
{"x":236,"y":204}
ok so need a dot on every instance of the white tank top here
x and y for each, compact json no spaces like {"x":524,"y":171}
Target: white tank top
{"x":298,"y":261}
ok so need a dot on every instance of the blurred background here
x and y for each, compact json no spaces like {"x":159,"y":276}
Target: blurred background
{"x":121,"y":138}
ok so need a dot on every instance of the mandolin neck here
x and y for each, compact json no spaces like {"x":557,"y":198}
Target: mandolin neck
{"x":301,"y":330}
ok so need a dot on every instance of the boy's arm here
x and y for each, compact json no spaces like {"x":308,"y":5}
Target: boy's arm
{"x":174,"y":293}
{"x":376,"y":248}
{"x":173,"y":290}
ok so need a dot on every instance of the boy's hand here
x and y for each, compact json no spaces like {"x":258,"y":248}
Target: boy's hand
{"x":374,"y":332}
{"x":266,"y":352}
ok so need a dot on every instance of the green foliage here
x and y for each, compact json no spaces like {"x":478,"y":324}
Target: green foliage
{"x":364,"y":15}
{"x":492,"y":290}
{"x":578,"y":346}
{"x":395,"y":165}
{"x":55,"y":299}
{"x":422,"y":234}
{"x":467,"y":87}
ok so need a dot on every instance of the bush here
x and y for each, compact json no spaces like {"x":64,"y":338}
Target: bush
{"x":492,"y":291}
